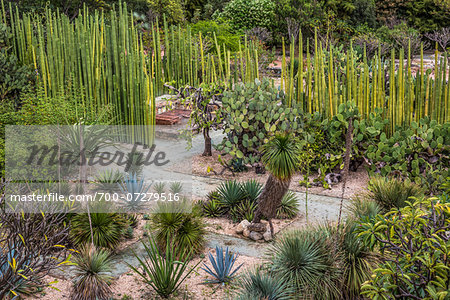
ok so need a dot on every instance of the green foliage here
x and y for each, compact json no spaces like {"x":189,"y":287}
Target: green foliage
{"x":304,"y":261}
{"x":415,"y":238}
{"x":419,"y":153}
{"x":392,"y":193}
{"x":92,"y":274}
{"x":222,"y":32}
{"x":230,"y":193}
{"x":258,"y":285}
{"x":212,"y":207}
{"x":248,"y":14}
{"x":165,"y":270}
{"x":289,"y":206}
{"x":172,"y":10}
{"x":244,"y":210}
{"x":108,"y":181}
{"x":176,"y":187}
{"x":159,"y":187}
{"x":280,"y":156}
{"x":362,"y":207}
{"x":252,"y":189}
{"x":183,"y":230}
{"x":107,"y":228}
{"x":222,"y":265}
{"x":134,"y":190}
{"x":251,"y":116}
{"x":15,"y":78}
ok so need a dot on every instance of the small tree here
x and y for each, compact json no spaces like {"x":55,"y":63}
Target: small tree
{"x":415,"y":240}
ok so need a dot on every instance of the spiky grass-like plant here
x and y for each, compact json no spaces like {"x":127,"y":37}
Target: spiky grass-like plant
{"x":305,"y":260}
{"x":251,"y":189}
{"x":288,"y":208}
{"x":258,"y":285}
{"x":159,"y":187}
{"x":212,"y":207}
{"x":182,"y":229}
{"x":107,"y":229}
{"x":176,"y":187}
{"x":245,"y":210}
{"x":92,"y":274}
{"x":163,"y":270}
{"x":108,"y":181}
{"x":222,"y":266}
{"x":361,"y":207}
{"x":230,"y":193}
{"x":134,"y":190}
{"x":393,"y":192}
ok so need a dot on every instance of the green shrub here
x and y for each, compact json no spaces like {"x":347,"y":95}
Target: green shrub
{"x":107,"y":228}
{"x":186,"y":231}
{"x":415,"y":238}
{"x":92,"y":274}
{"x":248,"y":14}
{"x":222,"y":32}
{"x":171,"y":10}
{"x":304,"y":261}
{"x":289,"y":206}
{"x":251,"y":189}
{"x":392,"y":193}
{"x":212,"y":207}
{"x":244,"y":210}
{"x":164,"y":270}
{"x":362,"y":207}
{"x":258,"y":285}
{"x":108,"y":181}
{"x":230,"y":193}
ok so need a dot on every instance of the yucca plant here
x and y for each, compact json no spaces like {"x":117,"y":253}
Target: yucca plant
{"x":222,"y":266}
{"x":108,"y":181}
{"x":134,"y":190}
{"x":182,"y":229}
{"x":230,"y":193}
{"x":393,"y":192}
{"x":258,"y":285}
{"x":134,"y":164}
{"x":92,"y":274}
{"x":107,"y":229}
{"x":163,"y":270}
{"x":288,"y":208}
{"x":176,"y":187}
{"x":304,"y":261}
{"x":212,"y":207}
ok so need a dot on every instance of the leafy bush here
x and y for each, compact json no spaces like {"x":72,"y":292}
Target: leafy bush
{"x":252,"y":113}
{"x":392,"y":193}
{"x":222,"y":266}
{"x":419,"y":153}
{"x":415,"y":238}
{"x":186,"y":231}
{"x":249,"y":14}
{"x":221,"y":32}
{"x":261,"y":285}
{"x":303,"y":260}
{"x":289,"y":206}
{"x":165,"y":270}
{"x":171,"y":10}
{"x":107,"y":229}
{"x":92,"y":274}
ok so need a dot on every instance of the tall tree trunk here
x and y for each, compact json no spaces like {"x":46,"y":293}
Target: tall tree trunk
{"x":208,"y":145}
{"x":270,"y":198}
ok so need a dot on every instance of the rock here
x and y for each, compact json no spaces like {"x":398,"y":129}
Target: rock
{"x":246,"y":232}
{"x":240,"y":228}
{"x":256,"y":236}
{"x":267,"y":235}
{"x":258,"y":227}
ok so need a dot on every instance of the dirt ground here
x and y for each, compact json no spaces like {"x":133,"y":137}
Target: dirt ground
{"x":356,"y":182}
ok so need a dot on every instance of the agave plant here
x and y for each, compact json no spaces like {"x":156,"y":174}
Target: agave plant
{"x":288,"y":208}
{"x":258,"y":285}
{"x":251,"y":189}
{"x":134,"y":190}
{"x":230,"y":193}
{"x":108,"y":181}
{"x":92,"y":274}
{"x":176,"y":187}
{"x":245,"y":210}
{"x":222,"y":266}
{"x":212,"y":207}
{"x":165,"y":270}
{"x":159,"y":187}
{"x":135,"y":163}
